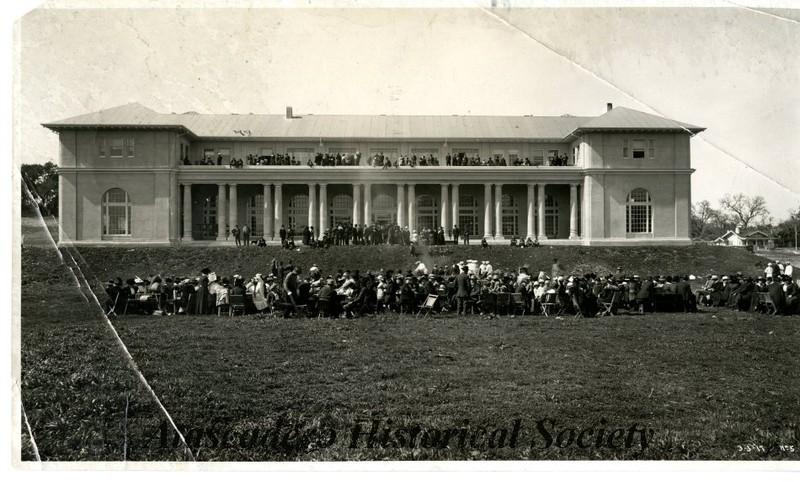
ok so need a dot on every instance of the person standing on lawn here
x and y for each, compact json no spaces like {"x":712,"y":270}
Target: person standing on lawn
{"x":246,"y":235}
{"x":463,"y":292}
{"x":290,"y":291}
{"x":236,"y":235}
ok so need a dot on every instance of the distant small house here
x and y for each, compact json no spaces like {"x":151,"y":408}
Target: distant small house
{"x":756,"y":239}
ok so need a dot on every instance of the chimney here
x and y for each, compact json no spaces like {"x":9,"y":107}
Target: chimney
{"x":609,"y":106}
{"x":289,"y":112}
{"x":736,"y":229}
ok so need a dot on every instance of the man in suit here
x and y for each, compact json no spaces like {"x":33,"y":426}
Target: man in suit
{"x":683,"y":288}
{"x":456,"y":233}
{"x":246,"y":235}
{"x":466,"y":235}
{"x":236,"y":236}
{"x":645,"y":294}
{"x":463,"y":290}
{"x":282,"y":234}
{"x":791,"y":295}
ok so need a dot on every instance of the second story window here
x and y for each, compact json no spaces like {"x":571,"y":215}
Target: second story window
{"x":116,"y":145}
{"x":639,"y":148}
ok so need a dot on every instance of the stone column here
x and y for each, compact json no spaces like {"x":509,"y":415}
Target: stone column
{"x":268,"y":213}
{"x":187,"y":212}
{"x":487,"y":210}
{"x":312,"y":206}
{"x":444,"y":208}
{"x":454,"y":218}
{"x":573,"y":211}
{"x":401,"y":205}
{"x":234,"y":206}
{"x":541,"y":211}
{"x":356,"y":204}
{"x":367,"y":203}
{"x":531,"y":212}
{"x":323,"y":208}
{"x":412,"y":207}
{"x":174,"y":208}
{"x":222,"y":219}
{"x":498,"y":211}
{"x":278,"y":207}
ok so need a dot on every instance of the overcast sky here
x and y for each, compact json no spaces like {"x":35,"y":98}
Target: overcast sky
{"x":735,"y":71}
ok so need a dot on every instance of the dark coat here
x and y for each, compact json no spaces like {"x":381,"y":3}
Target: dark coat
{"x":462,"y":283}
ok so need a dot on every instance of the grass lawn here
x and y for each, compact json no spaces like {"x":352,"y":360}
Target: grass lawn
{"x":714,"y":385}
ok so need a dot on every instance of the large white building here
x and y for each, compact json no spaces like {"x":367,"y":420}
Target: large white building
{"x":123,"y":178}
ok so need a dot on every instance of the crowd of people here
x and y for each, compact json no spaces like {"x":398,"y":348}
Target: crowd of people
{"x":344,"y":234}
{"x":378,"y":160}
{"x":465,"y":287}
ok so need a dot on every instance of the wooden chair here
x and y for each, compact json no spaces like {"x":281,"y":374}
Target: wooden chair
{"x":113,"y":309}
{"x":766,"y":300}
{"x":236,"y":303}
{"x":489,"y":304}
{"x":518,"y":303}
{"x":323,"y":308}
{"x":428,"y":305}
{"x":550,"y":304}
{"x":610,"y":306}
{"x":504,"y":304}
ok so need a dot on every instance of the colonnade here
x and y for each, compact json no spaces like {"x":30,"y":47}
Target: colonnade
{"x":227,"y":212}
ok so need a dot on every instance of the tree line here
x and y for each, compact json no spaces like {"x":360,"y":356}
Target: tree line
{"x":41,"y":181}
{"x":748,"y":213}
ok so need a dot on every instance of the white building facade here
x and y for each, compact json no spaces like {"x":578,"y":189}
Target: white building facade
{"x":128,"y":175}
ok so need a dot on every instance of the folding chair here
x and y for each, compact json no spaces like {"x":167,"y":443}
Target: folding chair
{"x":324,"y":308}
{"x":610,"y":306}
{"x":489,"y":304}
{"x":428,"y":305}
{"x":236,"y":303}
{"x":113,"y":309}
{"x":550,"y":302}
{"x":766,"y":300}
{"x":518,"y":303}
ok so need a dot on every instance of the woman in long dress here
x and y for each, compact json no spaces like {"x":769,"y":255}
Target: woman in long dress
{"x":259,"y":299}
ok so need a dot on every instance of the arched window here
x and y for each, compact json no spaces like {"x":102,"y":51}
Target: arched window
{"x":341,"y":210}
{"x":468,"y":215}
{"x":639,"y":215}
{"x":255,"y":214}
{"x":510,"y":216}
{"x":116,"y":213}
{"x":427,"y":213}
{"x":298,"y":211}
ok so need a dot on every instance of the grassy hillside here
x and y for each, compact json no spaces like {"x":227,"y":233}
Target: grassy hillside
{"x":110,"y":262}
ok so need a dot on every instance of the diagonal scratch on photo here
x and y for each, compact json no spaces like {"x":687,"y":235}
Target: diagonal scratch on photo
{"x":376,"y":234}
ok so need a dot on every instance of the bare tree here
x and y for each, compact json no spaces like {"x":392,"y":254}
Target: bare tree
{"x":703,"y":217}
{"x":745,"y":209}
